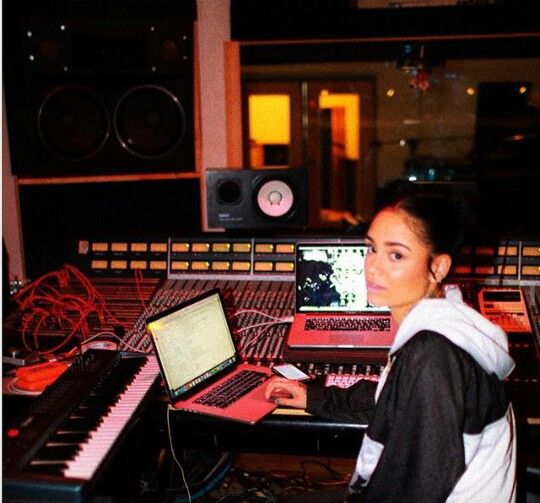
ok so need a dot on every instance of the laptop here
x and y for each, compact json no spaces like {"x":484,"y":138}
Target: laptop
{"x":197,"y":358}
{"x":332,"y":311}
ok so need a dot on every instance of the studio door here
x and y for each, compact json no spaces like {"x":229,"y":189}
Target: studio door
{"x":340,"y":161}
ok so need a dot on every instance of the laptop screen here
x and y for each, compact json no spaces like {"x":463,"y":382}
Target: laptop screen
{"x":330,"y":278}
{"x":193,"y":342}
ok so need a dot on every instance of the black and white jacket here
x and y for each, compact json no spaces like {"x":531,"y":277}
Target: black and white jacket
{"x":440,"y":427}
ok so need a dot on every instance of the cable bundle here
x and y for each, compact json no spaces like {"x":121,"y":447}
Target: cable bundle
{"x":250,"y":342}
{"x":61,"y":300}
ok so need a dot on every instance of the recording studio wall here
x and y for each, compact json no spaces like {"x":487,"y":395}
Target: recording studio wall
{"x":99,"y":87}
{"x":257,"y":198}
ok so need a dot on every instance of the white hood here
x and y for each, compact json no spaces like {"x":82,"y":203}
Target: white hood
{"x":486,"y":342}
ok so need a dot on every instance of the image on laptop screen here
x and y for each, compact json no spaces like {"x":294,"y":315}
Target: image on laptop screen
{"x":194,"y":343}
{"x":330,"y":278}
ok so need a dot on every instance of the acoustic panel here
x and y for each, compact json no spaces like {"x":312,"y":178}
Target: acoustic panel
{"x":56,"y":216}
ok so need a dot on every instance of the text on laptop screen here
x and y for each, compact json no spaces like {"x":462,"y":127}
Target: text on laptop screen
{"x":330,"y":278}
{"x":194,"y":343}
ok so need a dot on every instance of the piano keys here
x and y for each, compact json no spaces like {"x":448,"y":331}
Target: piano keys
{"x":56,"y":450}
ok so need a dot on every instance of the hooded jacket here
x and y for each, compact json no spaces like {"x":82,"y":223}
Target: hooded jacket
{"x":442,"y":428}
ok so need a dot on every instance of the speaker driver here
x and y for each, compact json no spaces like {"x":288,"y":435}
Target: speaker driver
{"x":149,"y":121}
{"x":229,"y":192}
{"x":275,"y":198}
{"x":73,"y":123}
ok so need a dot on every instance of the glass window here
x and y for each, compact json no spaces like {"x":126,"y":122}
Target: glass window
{"x":460,"y":115}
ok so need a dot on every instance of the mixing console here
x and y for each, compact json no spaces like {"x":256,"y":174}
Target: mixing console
{"x":260,"y":310}
{"x":255,"y":308}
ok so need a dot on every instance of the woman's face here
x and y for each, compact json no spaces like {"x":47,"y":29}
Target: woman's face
{"x":397,"y":270}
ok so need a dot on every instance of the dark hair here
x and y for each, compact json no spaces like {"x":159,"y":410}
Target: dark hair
{"x":442,"y":219}
{"x":393,"y":191}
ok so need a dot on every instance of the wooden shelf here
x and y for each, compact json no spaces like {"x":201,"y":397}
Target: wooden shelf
{"x":135,"y":177}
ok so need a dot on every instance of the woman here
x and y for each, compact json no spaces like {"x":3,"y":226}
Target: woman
{"x":441,"y":428}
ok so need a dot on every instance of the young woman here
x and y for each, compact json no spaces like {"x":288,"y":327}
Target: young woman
{"x":440,"y":426}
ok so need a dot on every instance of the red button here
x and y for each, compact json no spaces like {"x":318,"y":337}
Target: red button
{"x":13,"y":432}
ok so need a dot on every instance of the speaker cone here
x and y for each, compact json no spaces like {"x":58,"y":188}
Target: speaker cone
{"x":73,"y":123}
{"x":229,"y":192}
{"x":149,"y":121}
{"x":275,"y":198}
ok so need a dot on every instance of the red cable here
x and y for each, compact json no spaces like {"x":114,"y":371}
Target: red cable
{"x":45,"y":300}
{"x":138,"y":278}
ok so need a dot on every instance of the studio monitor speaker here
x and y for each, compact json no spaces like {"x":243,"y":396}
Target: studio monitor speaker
{"x":99,"y":87}
{"x":256,"y":198}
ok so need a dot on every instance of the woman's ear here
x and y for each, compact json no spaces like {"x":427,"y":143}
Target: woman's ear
{"x":440,"y":267}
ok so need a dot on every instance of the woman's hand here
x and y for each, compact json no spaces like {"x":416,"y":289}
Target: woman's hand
{"x":282,"y":391}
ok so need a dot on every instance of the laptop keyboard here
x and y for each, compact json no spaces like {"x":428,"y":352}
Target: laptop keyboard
{"x":379,"y":324}
{"x":232,"y":389}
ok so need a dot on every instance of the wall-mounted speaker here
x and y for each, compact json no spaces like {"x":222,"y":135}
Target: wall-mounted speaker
{"x":256,"y":198}
{"x":100,"y":88}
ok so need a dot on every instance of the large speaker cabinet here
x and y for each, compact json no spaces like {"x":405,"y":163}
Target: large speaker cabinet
{"x":99,"y":87}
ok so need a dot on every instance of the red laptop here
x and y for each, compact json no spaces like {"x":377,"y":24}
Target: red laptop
{"x":199,"y":363}
{"x":332,"y":311}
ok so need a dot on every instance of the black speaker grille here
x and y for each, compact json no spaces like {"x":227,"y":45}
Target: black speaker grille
{"x":149,"y":122}
{"x":73,"y":123}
